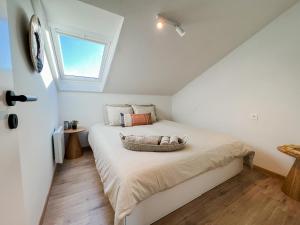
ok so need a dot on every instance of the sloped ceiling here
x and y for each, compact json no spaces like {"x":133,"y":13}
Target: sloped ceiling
{"x":151,"y":61}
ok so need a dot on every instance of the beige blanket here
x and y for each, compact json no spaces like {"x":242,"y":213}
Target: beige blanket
{"x":130,"y":177}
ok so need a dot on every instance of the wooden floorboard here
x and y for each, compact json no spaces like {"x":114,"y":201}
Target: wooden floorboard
{"x":251,"y":198}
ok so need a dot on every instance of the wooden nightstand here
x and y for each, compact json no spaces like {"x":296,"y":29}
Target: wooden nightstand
{"x":291,"y":186}
{"x":74,"y":149}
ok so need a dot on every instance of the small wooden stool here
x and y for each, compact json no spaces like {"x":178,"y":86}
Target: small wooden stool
{"x":291,"y":186}
{"x":74,"y":149}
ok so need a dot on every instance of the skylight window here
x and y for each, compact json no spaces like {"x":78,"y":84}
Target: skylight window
{"x":80,"y":56}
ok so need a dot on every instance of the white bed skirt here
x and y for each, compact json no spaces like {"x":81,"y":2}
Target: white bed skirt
{"x":163,"y":203}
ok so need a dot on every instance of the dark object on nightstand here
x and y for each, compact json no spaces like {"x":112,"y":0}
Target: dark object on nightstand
{"x":66,"y":125}
{"x":74,"y":124}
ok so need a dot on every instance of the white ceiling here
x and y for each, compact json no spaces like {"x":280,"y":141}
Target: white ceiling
{"x":151,"y":61}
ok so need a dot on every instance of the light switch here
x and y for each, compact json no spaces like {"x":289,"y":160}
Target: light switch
{"x":254,"y":116}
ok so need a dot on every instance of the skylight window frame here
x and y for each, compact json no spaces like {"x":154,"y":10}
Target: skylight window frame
{"x":56,"y":32}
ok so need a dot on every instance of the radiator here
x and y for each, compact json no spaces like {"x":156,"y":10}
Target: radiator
{"x":59,"y":145}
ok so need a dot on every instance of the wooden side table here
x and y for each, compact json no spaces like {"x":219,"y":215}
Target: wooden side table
{"x":291,"y":186}
{"x":74,"y":149}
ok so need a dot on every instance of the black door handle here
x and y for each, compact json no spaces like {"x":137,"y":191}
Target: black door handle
{"x":11,"y":98}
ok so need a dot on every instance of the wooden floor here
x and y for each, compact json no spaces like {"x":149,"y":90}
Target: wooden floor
{"x":251,"y":198}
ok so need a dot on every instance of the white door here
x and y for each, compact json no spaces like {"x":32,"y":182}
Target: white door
{"x":11,"y":196}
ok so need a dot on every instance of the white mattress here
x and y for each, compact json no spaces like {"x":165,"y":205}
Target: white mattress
{"x":130,"y":177}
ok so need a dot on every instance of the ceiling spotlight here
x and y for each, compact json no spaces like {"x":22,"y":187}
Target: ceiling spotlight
{"x":161,"y":21}
{"x":159,"y":25}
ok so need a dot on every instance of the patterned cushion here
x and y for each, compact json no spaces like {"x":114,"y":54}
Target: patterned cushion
{"x":141,"y":109}
{"x":128,"y":120}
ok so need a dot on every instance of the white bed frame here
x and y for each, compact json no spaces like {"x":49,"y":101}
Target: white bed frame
{"x":165,"y":202}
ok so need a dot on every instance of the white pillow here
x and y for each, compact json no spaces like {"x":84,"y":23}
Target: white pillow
{"x":105,"y":114}
{"x":114,"y":114}
{"x":143,"y":109}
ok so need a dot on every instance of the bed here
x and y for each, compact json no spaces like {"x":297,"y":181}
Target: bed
{"x":141,"y":185}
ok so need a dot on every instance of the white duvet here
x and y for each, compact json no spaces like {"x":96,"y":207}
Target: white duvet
{"x":130,"y":177}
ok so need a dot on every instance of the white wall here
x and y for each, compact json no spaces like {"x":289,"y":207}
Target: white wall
{"x":36,"y":119}
{"x":87,"y":108}
{"x":262,"y":76}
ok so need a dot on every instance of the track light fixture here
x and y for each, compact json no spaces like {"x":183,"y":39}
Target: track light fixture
{"x":161,"y":21}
